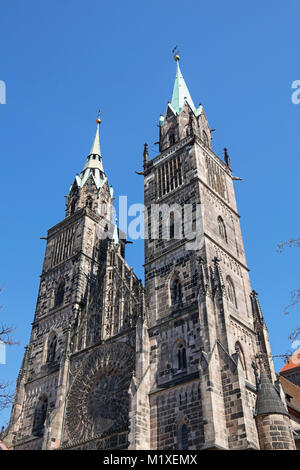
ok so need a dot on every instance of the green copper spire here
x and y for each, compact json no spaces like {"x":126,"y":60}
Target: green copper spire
{"x":180,"y":91}
{"x":95,"y":149}
{"x":94,"y":159}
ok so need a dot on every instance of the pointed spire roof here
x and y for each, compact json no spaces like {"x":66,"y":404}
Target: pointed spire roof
{"x":93,"y":166}
{"x":180,"y":91}
{"x":95,"y":149}
{"x":180,"y":95}
{"x":94,"y":159}
{"x":268,"y":400}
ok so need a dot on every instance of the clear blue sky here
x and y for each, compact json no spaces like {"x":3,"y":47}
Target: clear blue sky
{"x":62,"y":60}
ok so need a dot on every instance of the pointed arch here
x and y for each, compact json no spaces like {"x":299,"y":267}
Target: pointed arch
{"x":164,"y":356}
{"x":205,"y":139}
{"x":40,"y":414}
{"x":59,"y":293}
{"x":89,"y":202}
{"x":230,"y":291}
{"x":72,"y":206}
{"x":179,"y":356}
{"x":240,"y":353}
{"x":172,"y":227}
{"x":222,"y":228}
{"x":176,"y":291}
{"x":182,"y":435}
{"x":174,"y":287}
{"x":51,"y":347}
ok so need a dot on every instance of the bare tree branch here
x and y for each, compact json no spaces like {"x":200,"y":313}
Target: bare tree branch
{"x":295,"y":295}
{"x":293,"y":242}
{"x":5,"y":334}
{"x":6,"y":396}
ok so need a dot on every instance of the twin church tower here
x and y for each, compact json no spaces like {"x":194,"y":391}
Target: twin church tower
{"x":183,"y":362}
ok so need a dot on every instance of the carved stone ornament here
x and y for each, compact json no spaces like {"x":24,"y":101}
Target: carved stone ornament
{"x":98,"y":401}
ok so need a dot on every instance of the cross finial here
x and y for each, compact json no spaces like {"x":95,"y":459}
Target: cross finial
{"x":98,"y":120}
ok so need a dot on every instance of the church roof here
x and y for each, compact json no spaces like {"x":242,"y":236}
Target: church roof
{"x":3,"y":446}
{"x":180,"y":95}
{"x":293,"y":363}
{"x":180,"y":92}
{"x":93,"y":166}
{"x":94,"y":159}
{"x":268,"y":400}
{"x":95,"y":149}
{"x":293,"y":392}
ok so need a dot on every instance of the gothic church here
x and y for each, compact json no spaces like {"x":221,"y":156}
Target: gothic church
{"x":183,"y":362}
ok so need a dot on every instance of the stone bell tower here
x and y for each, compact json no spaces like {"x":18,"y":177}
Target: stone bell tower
{"x":72,"y":389}
{"x":207,"y":338}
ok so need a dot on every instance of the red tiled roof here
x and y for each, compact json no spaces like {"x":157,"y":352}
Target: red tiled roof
{"x":293,"y":363}
{"x":3,"y":446}
{"x":293,"y":391}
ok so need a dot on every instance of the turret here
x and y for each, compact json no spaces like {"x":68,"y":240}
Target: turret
{"x":272,"y":418}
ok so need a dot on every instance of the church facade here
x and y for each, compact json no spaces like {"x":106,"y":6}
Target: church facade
{"x":183,"y":362}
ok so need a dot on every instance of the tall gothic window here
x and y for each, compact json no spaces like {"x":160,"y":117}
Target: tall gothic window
{"x":52,"y":348}
{"x":172,"y":230}
{"x":160,"y":226}
{"x":89,"y":202}
{"x":181,"y":357}
{"x":240,"y":352}
{"x":184,"y":437}
{"x":39,"y":418}
{"x":176,"y":292}
{"x":222,"y":228}
{"x":59,"y":294}
{"x":205,"y":139}
{"x":172,"y":139}
{"x":163,"y":356}
{"x":73,"y":203}
{"x":230,"y":291}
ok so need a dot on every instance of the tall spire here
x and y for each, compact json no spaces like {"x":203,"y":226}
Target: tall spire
{"x":95,"y":149}
{"x":180,"y":90}
{"x":94,"y":159}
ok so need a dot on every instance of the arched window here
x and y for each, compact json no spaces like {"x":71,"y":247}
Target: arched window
{"x":160,"y":226}
{"x":240,"y":353}
{"x":205,"y":139}
{"x":163,"y":356}
{"x":39,"y":418}
{"x":176,"y":292}
{"x":73,"y":203}
{"x":172,"y":225}
{"x":52,"y":344}
{"x":222,"y":228}
{"x":230,"y":290}
{"x":89,"y":202}
{"x":172,"y":139}
{"x":184,"y":437}
{"x":181,"y":357}
{"x":59,"y":294}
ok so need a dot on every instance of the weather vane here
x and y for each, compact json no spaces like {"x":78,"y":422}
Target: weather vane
{"x":175,"y":53}
{"x":98,"y":120}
